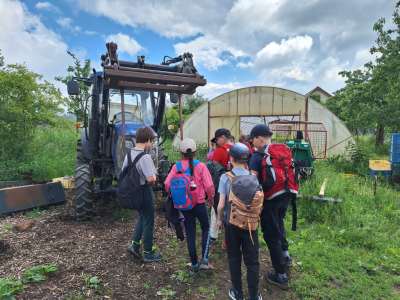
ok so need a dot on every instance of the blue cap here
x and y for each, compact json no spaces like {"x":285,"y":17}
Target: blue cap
{"x":259,"y":130}
{"x":238,"y":151}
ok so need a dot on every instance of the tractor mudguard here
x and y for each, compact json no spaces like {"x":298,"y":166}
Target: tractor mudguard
{"x":85,"y":142}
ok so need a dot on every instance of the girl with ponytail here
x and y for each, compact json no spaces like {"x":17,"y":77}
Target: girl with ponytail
{"x":201,"y":184}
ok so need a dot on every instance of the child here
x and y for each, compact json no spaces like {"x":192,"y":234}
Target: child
{"x":145,"y":223}
{"x":239,"y":241}
{"x":210,"y":153}
{"x":201,"y":177}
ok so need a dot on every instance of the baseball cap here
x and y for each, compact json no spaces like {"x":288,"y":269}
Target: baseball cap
{"x":188,"y":144}
{"x":238,"y":151}
{"x":219,"y":132}
{"x":258,"y":130}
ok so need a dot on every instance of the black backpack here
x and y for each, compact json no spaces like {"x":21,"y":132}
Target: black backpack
{"x":129,"y":191}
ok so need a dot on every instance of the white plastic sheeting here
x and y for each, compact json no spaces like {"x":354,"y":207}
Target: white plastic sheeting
{"x":226,"y":111}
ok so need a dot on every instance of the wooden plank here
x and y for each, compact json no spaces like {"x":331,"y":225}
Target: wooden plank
{"x":322,"y":191}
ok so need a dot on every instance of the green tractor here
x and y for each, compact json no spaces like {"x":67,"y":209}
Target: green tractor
{"x":125,"y":96}
{"x":307,"y":141}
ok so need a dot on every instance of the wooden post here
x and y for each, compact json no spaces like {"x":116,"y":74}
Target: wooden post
{"x":322,"y":191}
{"x":180,"y":115}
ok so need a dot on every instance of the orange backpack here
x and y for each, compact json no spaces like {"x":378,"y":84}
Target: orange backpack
{"x":245,"y":201}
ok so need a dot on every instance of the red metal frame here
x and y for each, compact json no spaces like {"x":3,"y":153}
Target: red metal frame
{"x":315,"y":134}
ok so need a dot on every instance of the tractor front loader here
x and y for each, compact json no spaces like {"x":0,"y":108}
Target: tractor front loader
{"x":125,"y":96}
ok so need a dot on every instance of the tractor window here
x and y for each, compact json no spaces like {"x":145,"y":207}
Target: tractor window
{"x":139,"y":104}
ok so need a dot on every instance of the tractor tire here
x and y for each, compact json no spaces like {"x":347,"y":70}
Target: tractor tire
{"x":83,"y":192}
{"x":80,"y":155}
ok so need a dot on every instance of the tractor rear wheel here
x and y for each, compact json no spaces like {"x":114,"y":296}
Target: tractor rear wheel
{"x":83,"y":192}
{"x":80,"y":155}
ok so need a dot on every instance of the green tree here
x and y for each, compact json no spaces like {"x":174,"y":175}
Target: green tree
{"x":315,"y":97}
{"x":192,"y":102}
{"x":371,"y":96}
{"x":27,"y":102}
{"x":1,"y":60}
{"x":76,"y":104}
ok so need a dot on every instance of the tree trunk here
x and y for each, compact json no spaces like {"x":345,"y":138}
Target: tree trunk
{"x":379,"y":135}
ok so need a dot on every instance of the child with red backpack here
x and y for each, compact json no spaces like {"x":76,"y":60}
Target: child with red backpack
{"x":185,"y":183}
{"x":240,"y":204}
{"x":274,"y":165}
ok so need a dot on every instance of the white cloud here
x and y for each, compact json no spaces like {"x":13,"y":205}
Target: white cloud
{"x":66,"y":23}
{"x":284,"y":53}
{"x":212,"y":90}
{"x":243,"y":65}
{"x":208,"y":52}
{"x":89,"y":32}
{"x":24,"y":39}
{"x":125,"y":43}
{"x":48,"y":6}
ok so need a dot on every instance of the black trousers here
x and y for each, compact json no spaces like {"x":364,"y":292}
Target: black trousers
{"x":273,"y":228}
{"x":238,"y":243}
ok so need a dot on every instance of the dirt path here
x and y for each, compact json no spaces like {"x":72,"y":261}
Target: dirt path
{"x":98,"y":248}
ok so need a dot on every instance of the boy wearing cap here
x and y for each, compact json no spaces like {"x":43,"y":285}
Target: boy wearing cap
{"x":221,"y":163}
{"x":272,"y":224}
{"x":238,"y":241}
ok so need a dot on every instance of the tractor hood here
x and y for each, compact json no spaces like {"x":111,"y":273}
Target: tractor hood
{"x":131,"y":128}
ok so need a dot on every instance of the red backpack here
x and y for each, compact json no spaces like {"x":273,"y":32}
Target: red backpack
{"x":278,"y":171}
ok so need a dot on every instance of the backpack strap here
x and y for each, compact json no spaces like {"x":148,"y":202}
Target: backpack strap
{"x":129,"y":157}
{"x":179,"y":166}
{"x":187,"y":171}
{"x":139,"y":156}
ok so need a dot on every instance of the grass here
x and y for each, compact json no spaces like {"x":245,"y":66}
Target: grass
{"x":51,"y":154}
{"x":348,"y":250}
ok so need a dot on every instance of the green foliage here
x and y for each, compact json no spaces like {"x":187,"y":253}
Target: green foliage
{"x":51,"y":154}
{"x":189,"y":104}
{"x":92,"y":282}
{"x":174,"y":153}
{"x":181,"y":276}
{"x":76,"y":104}
{"x":166,"y":293}
{"x":355,"y":162}
{"x":371,"y":98}
{"x":27,"y":102}
{"x":39,"y":273}
{"x":9,"y":287}
{"x":315,"y":97}
{"x":36,"y":212}
{"x":1,"y":60}
{"x":73,"y":297}
{"x":121,"y":213}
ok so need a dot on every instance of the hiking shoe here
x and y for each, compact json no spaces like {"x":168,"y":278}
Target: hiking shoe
{"x":234,"y":294}
{"x":289,"y":262}
{"x":151,"y":256}
{"x":194,"y":269}
{"x":134,"y":250}
{"x":206,"y":265}
{"x":224,"y":245}
{"x":273,"y":278}
{"x":259,"y":297}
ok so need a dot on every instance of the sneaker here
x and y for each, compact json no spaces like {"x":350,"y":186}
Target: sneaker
{"x":224,"y":245}
{"x":289,"y":262}
{"x":194,"y":269}
{"x":234,"y":294}
{"x":151,"y":256}
{"x":134,"y":249}
{"x":273,"y":278}
{"x":259,"y":297}
{"x":213,"y":240}
{"x":206,"y":265}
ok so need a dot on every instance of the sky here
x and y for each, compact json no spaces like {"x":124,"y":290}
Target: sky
{"x":296,"y":45}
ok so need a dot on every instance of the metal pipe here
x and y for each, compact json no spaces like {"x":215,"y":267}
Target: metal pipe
{"x":323,"y":199}
{"x":123,"y":121}
{"x":180,"y":114}
{"x":131,"y":64}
